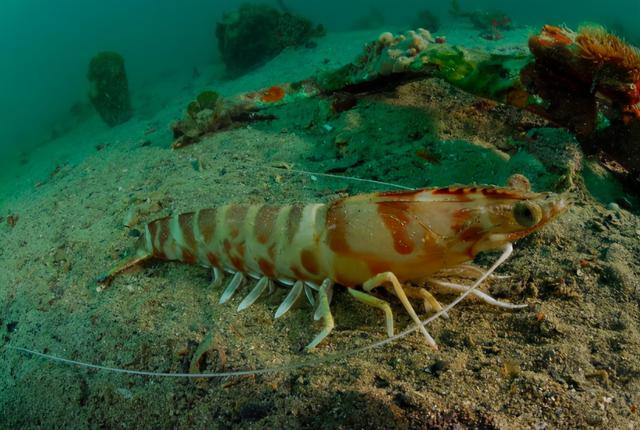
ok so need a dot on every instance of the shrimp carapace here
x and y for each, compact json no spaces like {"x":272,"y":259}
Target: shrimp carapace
{"x":400,"y":240}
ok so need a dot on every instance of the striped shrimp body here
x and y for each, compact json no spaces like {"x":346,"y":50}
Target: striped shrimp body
{"x":389,"y":239}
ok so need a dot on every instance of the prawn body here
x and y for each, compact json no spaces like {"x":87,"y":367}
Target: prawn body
{"x":389,"y":239}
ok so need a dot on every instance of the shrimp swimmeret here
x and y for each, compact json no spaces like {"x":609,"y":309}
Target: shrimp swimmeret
{"x":399,"y":240}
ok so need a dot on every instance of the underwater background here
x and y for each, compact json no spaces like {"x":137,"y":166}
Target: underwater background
{"x":115,"y":114}
{"x":46,"y":45}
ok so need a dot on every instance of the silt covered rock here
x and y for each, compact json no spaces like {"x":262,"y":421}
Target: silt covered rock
{"x":109,"y":88}
{"x":256,"y":33}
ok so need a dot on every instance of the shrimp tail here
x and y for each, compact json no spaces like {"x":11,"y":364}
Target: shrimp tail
{"x":105,"y":279}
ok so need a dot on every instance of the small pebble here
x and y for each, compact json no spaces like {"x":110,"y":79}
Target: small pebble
{"x":11,"y":327}
{"x":127,"y":394}
{"x":12,"y":220}
{"x":254,"y":411}
{"x":438,"y":368}
{"x":511,"y":369}
{"x":613,"y":207}
{"x":196,"y":164}
{"x":341,"y":139}
{"x":134,"y":232}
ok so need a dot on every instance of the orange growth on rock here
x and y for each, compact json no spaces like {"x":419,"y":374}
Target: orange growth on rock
{"x":578,"y":75}
{"x":558,"y":34}
{"x":600,"y":46}
{"x":273,"y":94}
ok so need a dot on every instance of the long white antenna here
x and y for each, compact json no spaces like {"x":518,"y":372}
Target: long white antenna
{"x":161,"y":374}
{"x":334,"y":176}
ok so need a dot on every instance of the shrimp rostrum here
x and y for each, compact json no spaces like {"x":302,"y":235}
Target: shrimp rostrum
{"x":401,"y":241}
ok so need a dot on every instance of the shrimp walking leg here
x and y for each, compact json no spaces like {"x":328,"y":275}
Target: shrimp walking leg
{"x":480,"y":294}
{"x":291,"y":299}
{"x":430,"y":302}
{"x":466,"y":271}
{"x":324,"y":311}
{"x":235,"y":283}
{"x":386,"y":278}
{"x":217,"y":277}
{"x":370,"y":300}
{"x":257,"y":291}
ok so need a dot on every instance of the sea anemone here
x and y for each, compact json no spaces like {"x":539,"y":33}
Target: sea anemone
{"x":386,"y":38}
{"x":600,"y":46}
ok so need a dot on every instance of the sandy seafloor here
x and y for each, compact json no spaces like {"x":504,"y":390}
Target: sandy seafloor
{"x":570,"y":360}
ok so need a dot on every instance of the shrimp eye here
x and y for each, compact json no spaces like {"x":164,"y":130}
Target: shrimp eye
{"x":527,"y":214}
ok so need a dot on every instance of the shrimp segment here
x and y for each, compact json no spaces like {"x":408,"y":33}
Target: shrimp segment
{"x":390,"y":239}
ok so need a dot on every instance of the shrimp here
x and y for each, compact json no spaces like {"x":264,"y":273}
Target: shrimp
{"x":398,"y":240}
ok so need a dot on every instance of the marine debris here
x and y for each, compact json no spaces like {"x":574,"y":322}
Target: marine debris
{"x":109,"y":92}
{"x":256,"y":33}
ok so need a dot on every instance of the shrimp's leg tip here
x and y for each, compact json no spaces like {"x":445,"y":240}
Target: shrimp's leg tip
{"x":429,"y":301}
{"x":479,"y":294}
{"x":319,"y":338}
{"x":391,"y":278}
{"x":375,"y":302}
{"x":325,"y":312}
{"x":217,"y":277}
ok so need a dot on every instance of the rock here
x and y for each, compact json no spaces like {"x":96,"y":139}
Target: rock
{"x":618,"y":272}
{"x":255,"y":33}
{"x":110,"y":89}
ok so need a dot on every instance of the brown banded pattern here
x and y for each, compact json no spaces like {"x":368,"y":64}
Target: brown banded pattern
{"x":410,"y":233}
{"x":280,"y":242}
{"x":369,"y":240}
